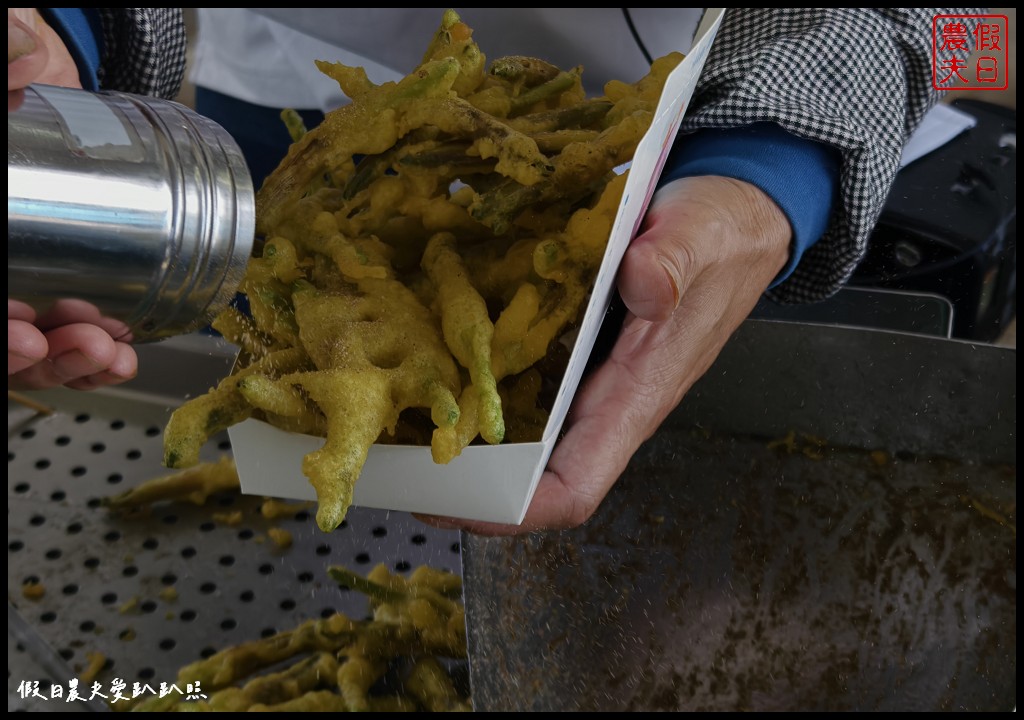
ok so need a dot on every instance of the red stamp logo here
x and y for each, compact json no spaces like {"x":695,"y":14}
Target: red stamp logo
{"x":970,"y":52}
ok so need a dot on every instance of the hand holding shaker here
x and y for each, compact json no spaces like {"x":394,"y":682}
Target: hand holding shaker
{"x":133,"y":213}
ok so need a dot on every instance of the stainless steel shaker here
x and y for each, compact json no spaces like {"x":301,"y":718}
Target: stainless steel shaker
{"x":130,"y":212}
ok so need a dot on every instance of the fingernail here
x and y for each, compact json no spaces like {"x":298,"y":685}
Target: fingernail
{"x":22,"y":356}
{"x":97,"y":380}
{"x":673,"y":281}
{"x":112,"y":377}
{"x":16,"y":362}
{"x":19,"y":42}
{"x":75,"y":364}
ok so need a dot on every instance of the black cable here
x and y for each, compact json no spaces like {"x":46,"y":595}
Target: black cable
{"x":636,"y":36}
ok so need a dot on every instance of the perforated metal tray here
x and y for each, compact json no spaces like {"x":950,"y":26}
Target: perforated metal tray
{"x":154,"y":593}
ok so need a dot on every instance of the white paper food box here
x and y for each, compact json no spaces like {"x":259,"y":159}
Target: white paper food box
{"x":489,"y":483}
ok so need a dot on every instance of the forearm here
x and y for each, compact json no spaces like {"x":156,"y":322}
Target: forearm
{"x":800,"y":176}
{"x":855,"y":80}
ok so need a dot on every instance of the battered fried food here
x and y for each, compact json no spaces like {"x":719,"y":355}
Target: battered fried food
{"x":336,"y":662}
{"x":193,"y":485}
{"x":424,"y":247}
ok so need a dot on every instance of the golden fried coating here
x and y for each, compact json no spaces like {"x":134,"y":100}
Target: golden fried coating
{"x":336,"y":661}
{"x":193,"y":485}
{"x":422,"y":244}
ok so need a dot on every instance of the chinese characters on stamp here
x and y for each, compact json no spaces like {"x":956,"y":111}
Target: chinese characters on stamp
{"x":970,"y":52}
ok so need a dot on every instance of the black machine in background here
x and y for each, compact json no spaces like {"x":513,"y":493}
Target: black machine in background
{"x":945,"y":244}
{"x":949,"y":227}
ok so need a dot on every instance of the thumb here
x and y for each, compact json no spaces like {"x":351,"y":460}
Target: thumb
{"x":20,"y":40}
{"x":660,"y":263}
{"x":27,"y":55}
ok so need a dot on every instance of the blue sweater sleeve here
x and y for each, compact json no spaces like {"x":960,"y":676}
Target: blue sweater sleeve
{"x":801,"y":176}
{"x":82,"y":34}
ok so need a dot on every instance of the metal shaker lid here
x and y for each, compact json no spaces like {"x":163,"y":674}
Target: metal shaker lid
{"x":130,"y":212}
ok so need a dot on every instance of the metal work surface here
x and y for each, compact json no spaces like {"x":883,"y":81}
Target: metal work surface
{"x":867,"y":563}
{"x":724,"y":571}
{"x":155,"y":592}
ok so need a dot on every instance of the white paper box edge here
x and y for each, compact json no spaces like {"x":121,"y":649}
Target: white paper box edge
{"x":487,"y":483}
{"x":483,"y":483}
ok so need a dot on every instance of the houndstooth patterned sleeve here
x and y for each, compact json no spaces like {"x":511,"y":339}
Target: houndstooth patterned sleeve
{"x":143,"y":50}
{"x":856,"y":79}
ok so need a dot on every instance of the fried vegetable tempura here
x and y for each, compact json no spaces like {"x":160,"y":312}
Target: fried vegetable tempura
{"x":194,"y":486}
{"x":333,"y":664}
{"x":425,"y":246}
